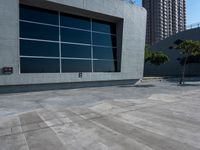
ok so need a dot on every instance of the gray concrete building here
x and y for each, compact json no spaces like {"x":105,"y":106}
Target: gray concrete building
{"x":173,"y":67}
{"x":164,"y":18}
{"x":48,"y":44}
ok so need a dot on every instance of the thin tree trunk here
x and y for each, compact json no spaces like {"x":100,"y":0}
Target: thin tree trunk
{"x":183,"y":72}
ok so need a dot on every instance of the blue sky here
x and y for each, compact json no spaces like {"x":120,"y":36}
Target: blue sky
{"x":193,"y":11}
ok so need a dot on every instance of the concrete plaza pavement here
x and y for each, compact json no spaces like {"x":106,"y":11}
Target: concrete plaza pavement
{"x":153,"y":115}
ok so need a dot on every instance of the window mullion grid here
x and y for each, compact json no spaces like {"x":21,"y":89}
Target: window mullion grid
{"x":60,"y":42}
{"x":72,"y":28}
{"x":60,"y":55}
{"x":92,"y":55}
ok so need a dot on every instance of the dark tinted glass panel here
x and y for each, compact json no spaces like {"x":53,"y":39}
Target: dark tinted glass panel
{"x":101,"y":26}
{"x":75,"y":36}
{"x":105,"y":66}
{"x":77,"y":51}
{"x":39,"y":65}
{"x":36,"y":48}
{"x":36,"y":31}
{"x":104,"y":40}
{"x":72,"y":65}
{"x":75,"y":22}
{"x":104,"y":53}
{"x":38,"y":15}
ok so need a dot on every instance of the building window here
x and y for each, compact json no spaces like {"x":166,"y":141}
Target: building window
{"x":39,"y":65}
{"x":55,"y":42}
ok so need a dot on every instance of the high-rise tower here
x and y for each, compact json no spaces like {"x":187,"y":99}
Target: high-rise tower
{"x":164,"y":18}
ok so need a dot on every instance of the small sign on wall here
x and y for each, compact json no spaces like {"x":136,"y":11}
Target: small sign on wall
{"x":7,"y":70}
{"x":80,"y":74}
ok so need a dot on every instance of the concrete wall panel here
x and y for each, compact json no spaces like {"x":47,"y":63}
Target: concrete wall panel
{"x":132,"y":18}
{"x":173,"y":67}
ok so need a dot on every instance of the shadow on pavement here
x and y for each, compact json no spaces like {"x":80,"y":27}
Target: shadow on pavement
{"x":188,"y":84}
{"x":138,"y":86}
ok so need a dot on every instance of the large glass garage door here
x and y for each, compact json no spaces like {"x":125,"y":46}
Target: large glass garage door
{"x":55,"y":42}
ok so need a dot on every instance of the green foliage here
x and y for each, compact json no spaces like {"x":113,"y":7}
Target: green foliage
{"x":147,"y":54}
{"x":158,"y":58}
{"x":155,"y":58}
{"x":189,"y":48}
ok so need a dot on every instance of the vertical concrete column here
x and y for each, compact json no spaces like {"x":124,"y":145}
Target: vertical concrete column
{"x":9,"y":35}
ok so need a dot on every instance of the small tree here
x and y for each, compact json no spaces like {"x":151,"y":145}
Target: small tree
{"x":188,"y":48}
{"x":155,"y":58}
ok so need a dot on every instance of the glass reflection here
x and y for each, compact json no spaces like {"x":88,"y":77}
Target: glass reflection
{"x":73,"y":65}
{"x":39,"y":65}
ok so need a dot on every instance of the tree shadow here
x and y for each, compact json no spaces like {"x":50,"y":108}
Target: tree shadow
{"x":187,"y":79}
{"x":188,"y":84}
{"x":138,"y":86}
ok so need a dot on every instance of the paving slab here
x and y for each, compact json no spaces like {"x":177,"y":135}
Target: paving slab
{"x":149,"y":116}
{"x":179,"y":131}
{"x":91,"y":135}
{"x":43,"y":139}
{"x":29,"y":118}
{"x":9,"y":122}
{"x":13,"y":142}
